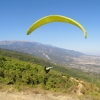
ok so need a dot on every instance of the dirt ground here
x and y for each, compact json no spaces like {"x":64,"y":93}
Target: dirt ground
{"x":24,"y":96}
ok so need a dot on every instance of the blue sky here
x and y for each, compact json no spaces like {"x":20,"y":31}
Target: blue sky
{"x":16,"y":16}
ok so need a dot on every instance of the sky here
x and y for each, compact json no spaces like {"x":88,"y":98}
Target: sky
{"x":16,"y":16}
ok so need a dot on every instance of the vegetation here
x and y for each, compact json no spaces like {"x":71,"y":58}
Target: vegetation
{"x":17,"y":72}
{"x":22,"y":70}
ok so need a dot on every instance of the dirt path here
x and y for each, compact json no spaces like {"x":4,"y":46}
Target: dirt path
{"x":80,"y":86}
{"x":23,"y":96}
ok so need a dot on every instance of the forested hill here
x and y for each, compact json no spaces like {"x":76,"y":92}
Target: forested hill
{"x":30,"y":59}
{"x":21,"y":70}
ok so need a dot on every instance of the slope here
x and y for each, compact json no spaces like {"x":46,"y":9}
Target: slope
{"x":23,"y":70}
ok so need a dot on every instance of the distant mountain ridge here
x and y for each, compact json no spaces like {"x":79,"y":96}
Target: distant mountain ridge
{"x":69,"y":58}
{"x":44,"y":51}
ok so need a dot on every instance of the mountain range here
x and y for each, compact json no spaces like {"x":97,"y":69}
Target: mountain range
{"x":64,"y":57}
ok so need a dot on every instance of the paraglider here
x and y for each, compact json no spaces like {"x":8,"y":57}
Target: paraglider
{"x":55,"y":18}
{"x":49,"y":19}
{"x":47,"y":69}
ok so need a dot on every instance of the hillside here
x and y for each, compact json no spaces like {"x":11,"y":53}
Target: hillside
{"x":64,"y":57}
{"x":22,"y":71}
{"x":33,"y":59}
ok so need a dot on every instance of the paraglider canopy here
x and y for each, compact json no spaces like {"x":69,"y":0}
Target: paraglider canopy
{"x":55,"y":18}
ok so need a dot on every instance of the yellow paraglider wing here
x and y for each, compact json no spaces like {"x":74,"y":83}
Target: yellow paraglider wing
{"x":55,"y":18}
